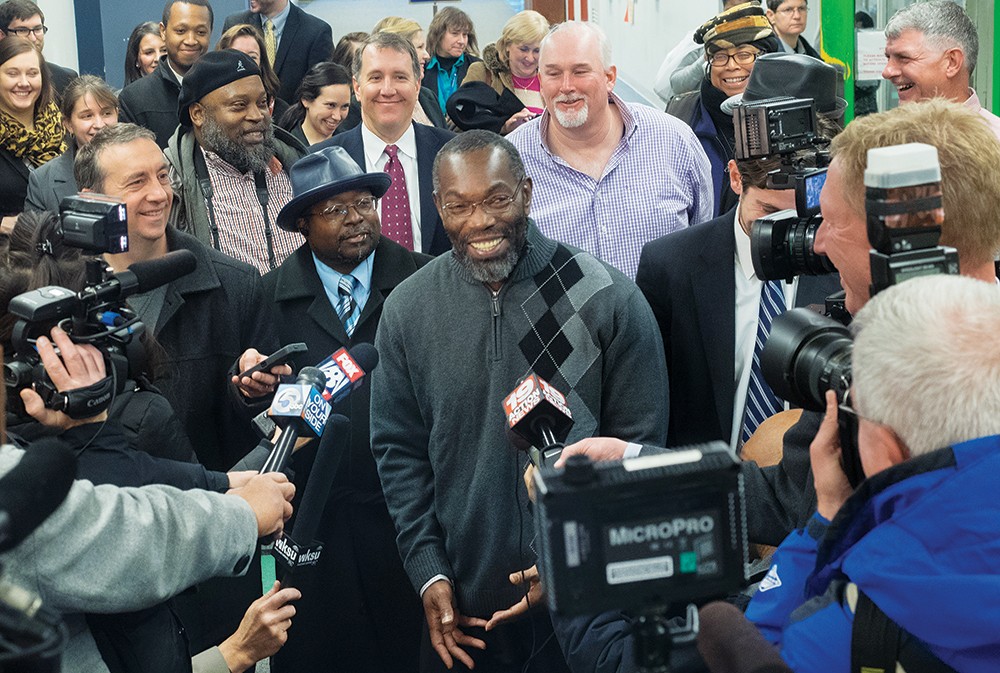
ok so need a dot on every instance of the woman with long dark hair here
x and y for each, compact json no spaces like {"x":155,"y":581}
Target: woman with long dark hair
{"x":143,"y":52}
{"x":322,"y":102}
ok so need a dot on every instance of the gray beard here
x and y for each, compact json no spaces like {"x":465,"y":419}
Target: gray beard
{"x":244,"y":158}
{"x":496,"y":270}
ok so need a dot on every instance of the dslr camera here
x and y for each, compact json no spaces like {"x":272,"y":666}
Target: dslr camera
{"x":807,"y":354}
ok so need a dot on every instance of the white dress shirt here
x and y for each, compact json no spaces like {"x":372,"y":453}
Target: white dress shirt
{"x":748,"y":288}
{"x":376,"y":159}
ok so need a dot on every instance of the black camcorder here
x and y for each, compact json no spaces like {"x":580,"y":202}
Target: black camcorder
{"x":781,"y":244}
{"x":97,"y":314}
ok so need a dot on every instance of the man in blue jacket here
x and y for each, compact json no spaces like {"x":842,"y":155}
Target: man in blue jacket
{"x":917,"y":540}
{"x":914,"y":548}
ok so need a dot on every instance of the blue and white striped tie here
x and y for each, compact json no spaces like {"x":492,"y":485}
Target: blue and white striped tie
{"x":761,"y":400}
{"x":346,"y":307}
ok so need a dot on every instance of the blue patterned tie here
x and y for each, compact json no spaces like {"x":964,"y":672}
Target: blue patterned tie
{"x":761,"y":400}
{"x":346,"y":306}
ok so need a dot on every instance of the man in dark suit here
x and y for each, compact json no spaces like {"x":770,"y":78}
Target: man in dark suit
{"x":386,"y":82}
{"x":701,"y":285}
{"x":359,"y":612}
{"x":151,"y":101}
{"x":23,"y":18}
{"x":300,"y":40}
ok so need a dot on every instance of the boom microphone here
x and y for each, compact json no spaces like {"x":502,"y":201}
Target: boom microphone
{"x":298,"y":548}
{"x":730,"y":643}
{"x":537,"y":413}
{"x":297,"y":407}
{"x":34,"y":489}
{"x":143,"y":276}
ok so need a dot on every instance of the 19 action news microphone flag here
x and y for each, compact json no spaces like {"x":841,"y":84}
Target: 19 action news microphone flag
{"x":537,"y":413}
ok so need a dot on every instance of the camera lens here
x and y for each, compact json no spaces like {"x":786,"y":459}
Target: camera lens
{"x":782,"y":247}
{"x":806,"y":355}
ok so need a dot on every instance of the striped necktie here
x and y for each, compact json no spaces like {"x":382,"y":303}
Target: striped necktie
{"x":346,"y":306}
{"x":270,"y":41}
{"x":761,"y":400}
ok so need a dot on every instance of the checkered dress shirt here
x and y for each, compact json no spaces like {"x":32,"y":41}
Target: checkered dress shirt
{"x":239,"y":217}
{"x":658,"y":180}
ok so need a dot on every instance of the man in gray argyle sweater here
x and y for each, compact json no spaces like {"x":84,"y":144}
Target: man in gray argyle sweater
{"x":455,"y":339}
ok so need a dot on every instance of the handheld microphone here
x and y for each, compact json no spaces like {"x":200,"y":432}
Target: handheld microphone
{"x":730,"y":643}
{"x":537,"y":413}
{"x":345,"y":370}
{"x":34,"y":489}
{"x":297,"y":407}
{"x":298,"y":549}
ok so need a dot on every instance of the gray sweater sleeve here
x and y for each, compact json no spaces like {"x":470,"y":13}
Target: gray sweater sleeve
{"x":400,"y":443}
{"x":110,"y":549}
{"x":634,"y":390}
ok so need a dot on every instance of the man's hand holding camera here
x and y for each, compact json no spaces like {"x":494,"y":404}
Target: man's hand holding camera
{"x":832,"y":486}
{"x":75,"y":366}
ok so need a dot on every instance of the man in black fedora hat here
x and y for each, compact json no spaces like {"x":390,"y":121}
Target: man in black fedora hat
{"x":701,"y":281}
{"x":231,"y":162}
{"x":359,"y":613}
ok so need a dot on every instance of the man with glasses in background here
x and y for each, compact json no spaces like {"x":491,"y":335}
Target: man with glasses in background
{"x":789,"y":18}
{"x":329,"y":294}
{"x":23,"y":18}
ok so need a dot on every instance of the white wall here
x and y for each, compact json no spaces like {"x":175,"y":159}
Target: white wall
{"x":60,"y":41}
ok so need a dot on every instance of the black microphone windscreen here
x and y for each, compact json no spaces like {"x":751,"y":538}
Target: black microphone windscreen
{"x":153,"y":273}
{"x":312,"y":376}
{"x":730,"y":643}
{"x":365,"y":355}
{"x":34,"y":489}
{"x":333,"y":445}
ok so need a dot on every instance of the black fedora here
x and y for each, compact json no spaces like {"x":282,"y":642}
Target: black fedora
{"x":323,"y":174}
{"x":795,"y":75}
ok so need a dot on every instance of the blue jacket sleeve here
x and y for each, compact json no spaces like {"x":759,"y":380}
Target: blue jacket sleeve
{"x":783,"y":588}
{"x":596,"y":643}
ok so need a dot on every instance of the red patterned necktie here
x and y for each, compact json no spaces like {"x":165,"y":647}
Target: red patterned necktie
{"x":396,"y":221}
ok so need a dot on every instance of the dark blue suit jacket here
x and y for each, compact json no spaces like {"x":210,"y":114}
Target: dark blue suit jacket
{"x":689,"y":280}
{"x":433,"y":239}
{"x":305,"y":41}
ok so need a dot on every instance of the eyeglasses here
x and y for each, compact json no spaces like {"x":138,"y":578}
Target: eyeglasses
{"x":720,"y":59}
{"x":339,"y":211}
{"x":493,"y":205}
{"x":788,"y":11}
{"x":37,"y":31}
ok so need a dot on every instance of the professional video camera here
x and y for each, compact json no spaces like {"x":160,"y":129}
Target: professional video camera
{"x":641,"y":535}
{"x":787,"y":129}
{"x":808,"y":354}
{"x":96,"y":315}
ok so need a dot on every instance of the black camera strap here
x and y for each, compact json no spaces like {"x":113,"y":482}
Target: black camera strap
{"x":260,"y":182}
{"x":79,"y":403}
{"x":877,"y":643}
{"x":260,"y":186}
